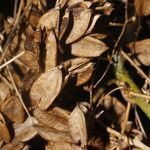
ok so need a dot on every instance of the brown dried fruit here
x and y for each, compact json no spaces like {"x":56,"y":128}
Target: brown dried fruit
{"x":47,"y":87}
{"x":13,"y":109}
{"x":81,"y":20}
{"x":142,"y":49}
{"x":88,"y":47}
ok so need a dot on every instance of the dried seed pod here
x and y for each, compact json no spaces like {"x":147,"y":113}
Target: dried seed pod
{"x":64,"y":24}
{"x":77,"y":126}
{"x":25,"y":131}
{"x":83,"y":73}
{"x":4,"y":131}
{"x":81,"y":20}
{"x":61,"y":145}
{"x":95,"y":18}
{"x":13,"y":146}
{"x":88,"y":47}
{"x":61,"y":3}
{"x":50,"y":20}
{"x":51,"y":50}
{"x":51,"y":134}
{"x":13,"y":109}
{"x":55,"y":118}
{"x":47,"y":87}
{"x":75,"y":63}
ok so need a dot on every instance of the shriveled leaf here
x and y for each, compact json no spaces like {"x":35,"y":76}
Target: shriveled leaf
{"x":47,"y":87}
{"x":13,"y":109}
{"x":81,"y":20}
{"x":25,"y":131}
{"x":88,"y":47}
{"x":13,"y":146}
{"x":51,"y":51}
{"x":142,"y":49}
{"x":142,"y":7}
{"x":4,"y":131}
{"x":50,"y":134}
{"x":56,"y":118}
{"x":61,"y":146}
{"x":50,"y":20}
{"x":77,"y":126}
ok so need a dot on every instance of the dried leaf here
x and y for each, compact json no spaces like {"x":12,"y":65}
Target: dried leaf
{"x":50,"y":134}
{"x":13,"y":109}
{"x":88,"y":47}
{"x":61,"y":146}
{"x":4,"y":131}
{"x":141,"y":48}
{"x":142,"y":7}
{"x":77,"y":126}
{"x":56,"y":118}
{"x":25,"y":131}
{"x":81,"y":20}
{"x":51,"y":51}
{"x":47,"y":87}
{"x":50,"y":20}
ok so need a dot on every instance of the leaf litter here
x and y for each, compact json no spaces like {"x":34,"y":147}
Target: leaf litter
{"x":55,"y":55}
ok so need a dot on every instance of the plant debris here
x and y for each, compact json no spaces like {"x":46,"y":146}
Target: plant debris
{"x":74,"y":75}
